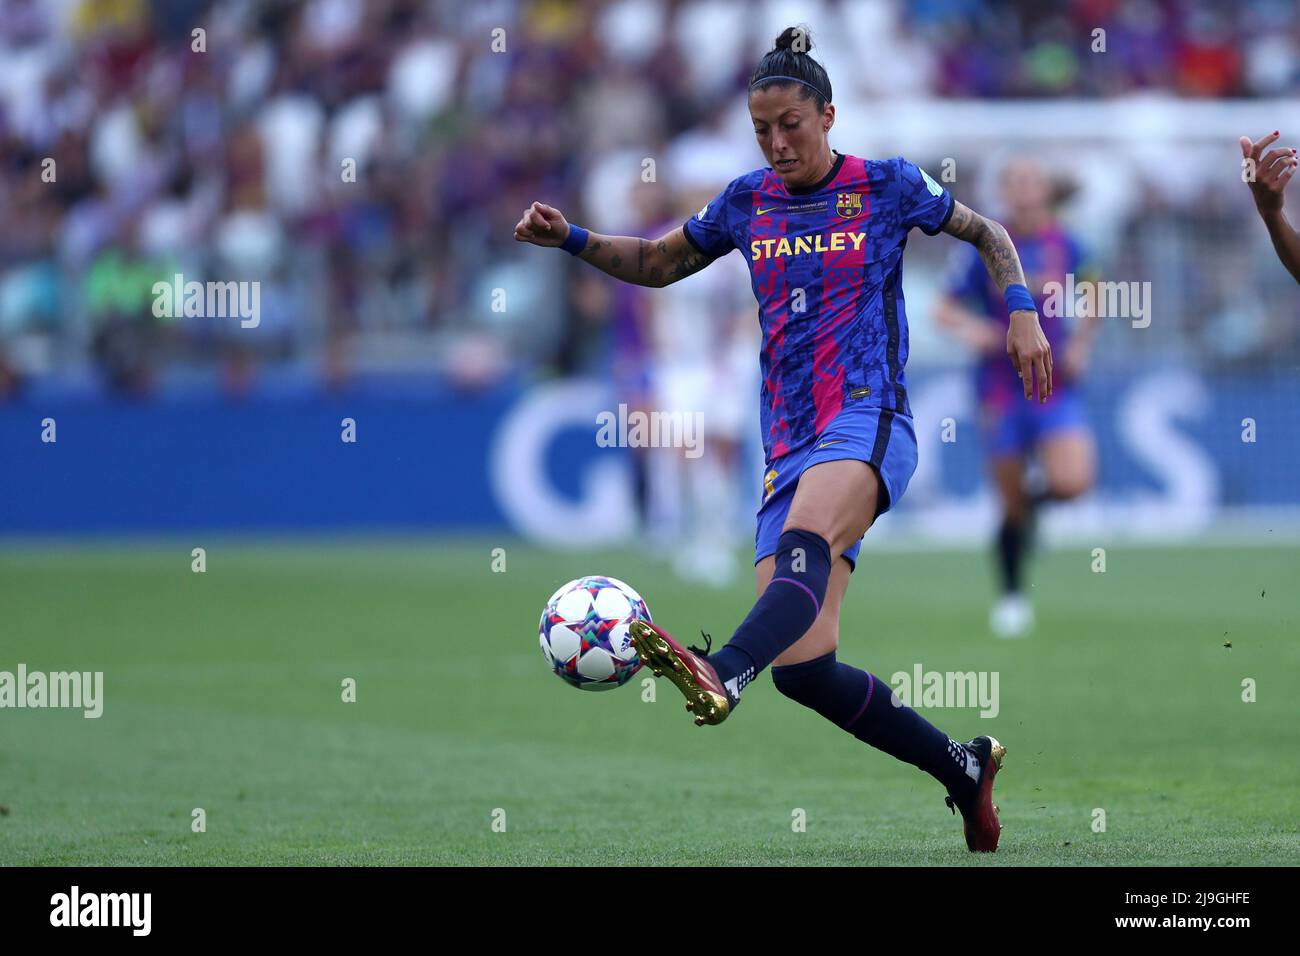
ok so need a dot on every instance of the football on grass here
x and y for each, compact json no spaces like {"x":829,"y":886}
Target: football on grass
{"x":584,"y":635}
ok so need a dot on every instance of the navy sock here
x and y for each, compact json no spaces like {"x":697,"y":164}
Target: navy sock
{"x":861,"y":703}
{"x":783,"y":613}
{"x":1011,"y":552}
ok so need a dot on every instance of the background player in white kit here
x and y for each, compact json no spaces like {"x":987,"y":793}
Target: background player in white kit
{"x":703,"y":338}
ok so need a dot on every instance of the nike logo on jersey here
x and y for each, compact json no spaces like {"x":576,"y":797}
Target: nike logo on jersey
{"x":835,"y":441}
{"x":763,"y":212}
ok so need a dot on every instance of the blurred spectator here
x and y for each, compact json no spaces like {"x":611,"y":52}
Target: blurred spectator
{"x":364,"y":159}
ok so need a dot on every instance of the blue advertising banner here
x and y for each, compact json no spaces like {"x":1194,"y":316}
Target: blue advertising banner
{"x":1177,"y":449}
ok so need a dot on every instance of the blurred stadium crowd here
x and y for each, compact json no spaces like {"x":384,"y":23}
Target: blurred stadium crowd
{"x":230,"y":162}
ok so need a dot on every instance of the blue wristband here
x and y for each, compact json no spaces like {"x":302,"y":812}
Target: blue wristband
{"x":576,"y":240}
{"x":1018,"y":298}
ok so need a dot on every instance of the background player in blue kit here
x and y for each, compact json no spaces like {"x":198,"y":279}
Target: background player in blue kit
{"x":823,"y":234}
{"x":1013,"y":432}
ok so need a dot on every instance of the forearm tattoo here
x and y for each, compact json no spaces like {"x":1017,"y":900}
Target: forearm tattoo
{"x":686,"y":263}
{"x":994,"y":245}
{"x":604,"y":254}
{"x":657,"y":264}
{"x":591,"y":252}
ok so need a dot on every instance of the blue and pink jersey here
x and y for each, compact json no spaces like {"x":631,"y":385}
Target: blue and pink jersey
{"x":1046,"y":256}
{"x":826,"y":266}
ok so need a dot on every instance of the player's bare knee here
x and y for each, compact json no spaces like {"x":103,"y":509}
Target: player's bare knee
{"x":1066,"y":490}
{"x":821,"y":639}
{"x":845,"y":540}
{"x":840,"y":531}
{"x":1070,"y":485}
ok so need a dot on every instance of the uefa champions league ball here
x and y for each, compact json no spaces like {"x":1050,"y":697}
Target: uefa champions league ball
{"x":584,"y":632}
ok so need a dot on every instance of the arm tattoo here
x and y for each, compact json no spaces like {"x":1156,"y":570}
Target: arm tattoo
{"x":657,"y":265}
{"x":687,"y":263}
{"x":592,"y":249}
{"x":994,"y":245}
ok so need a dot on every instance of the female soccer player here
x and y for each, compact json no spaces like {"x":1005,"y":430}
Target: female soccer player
{"x":1056,"y":432}
{"x":823,"y":234}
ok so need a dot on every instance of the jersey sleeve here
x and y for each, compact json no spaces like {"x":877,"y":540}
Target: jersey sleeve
{"x":710,"y":229}
{"x":922,"y":201}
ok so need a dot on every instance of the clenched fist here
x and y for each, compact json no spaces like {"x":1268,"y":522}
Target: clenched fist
{"x":542,"y":225}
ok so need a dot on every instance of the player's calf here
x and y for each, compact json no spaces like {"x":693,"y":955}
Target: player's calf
{"x":865,"y":706}
{"x":784,"y":612}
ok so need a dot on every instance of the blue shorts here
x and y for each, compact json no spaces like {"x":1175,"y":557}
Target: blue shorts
{"x":1016,"y":429}
{"x":882,"y":438}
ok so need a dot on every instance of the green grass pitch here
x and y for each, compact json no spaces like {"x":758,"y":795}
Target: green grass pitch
{"x":223,"y":691}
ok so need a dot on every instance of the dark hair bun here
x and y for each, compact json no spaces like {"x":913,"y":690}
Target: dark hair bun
{"x":795,"y":39}
{"x":790,"y":61}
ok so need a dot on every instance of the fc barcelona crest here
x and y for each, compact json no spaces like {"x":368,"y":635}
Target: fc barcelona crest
{"x":848,"y":205}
